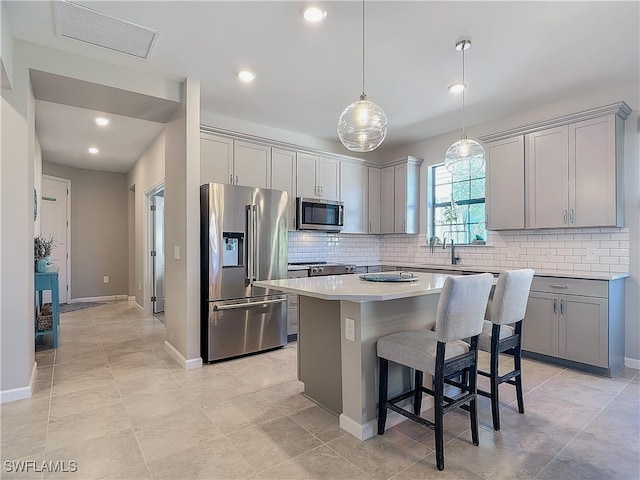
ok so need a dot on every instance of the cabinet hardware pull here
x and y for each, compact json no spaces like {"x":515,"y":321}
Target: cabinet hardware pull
{"x":236,"y":179}
{"x":564,"y":216}
{"x":370,"y":227}
{"x":231,"y":179}
{"x":557,"y":285}
{"x":572,"y":216}
{"x":555,"y":305}
{"x":561,"y":307}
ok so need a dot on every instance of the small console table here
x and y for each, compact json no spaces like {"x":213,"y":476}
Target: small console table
{"x":48,"y":281}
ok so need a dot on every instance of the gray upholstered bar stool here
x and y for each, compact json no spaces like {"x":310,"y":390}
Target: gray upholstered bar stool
{"x":502,"y":335}
{"x":442,"y":353}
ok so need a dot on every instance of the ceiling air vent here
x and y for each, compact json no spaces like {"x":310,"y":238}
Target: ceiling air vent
{"x":90,"y":26}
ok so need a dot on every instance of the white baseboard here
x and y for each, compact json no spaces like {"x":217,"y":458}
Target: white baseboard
{"x":21,"y":392}
{"x":105,"y":298}
{"x":632,"y":363}
{"x":189,"y":364}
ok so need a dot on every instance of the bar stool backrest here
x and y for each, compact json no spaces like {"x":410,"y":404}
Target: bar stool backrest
{"x":511,"y":296}
{"x":461,"y":307}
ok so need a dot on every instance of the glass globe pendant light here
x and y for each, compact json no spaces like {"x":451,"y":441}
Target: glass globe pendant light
{"x":362,"y":125}
{"x":465,"y":156}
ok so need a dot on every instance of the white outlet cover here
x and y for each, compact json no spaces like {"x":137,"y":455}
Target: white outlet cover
{"x":350,"y":329}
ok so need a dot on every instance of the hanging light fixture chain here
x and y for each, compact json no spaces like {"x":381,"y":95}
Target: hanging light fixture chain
{"x":363,"y":94}
{"x":463,"y":89}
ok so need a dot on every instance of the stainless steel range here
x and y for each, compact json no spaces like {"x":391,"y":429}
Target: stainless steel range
{"x":316,"y":269}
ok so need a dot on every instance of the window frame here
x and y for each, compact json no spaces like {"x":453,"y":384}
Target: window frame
{"x":432,"y":205}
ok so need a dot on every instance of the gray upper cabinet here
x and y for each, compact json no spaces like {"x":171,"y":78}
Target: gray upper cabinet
{"x":505,"y":167}
{"x":573,"y":172}
{"x":318,"y":176}
{"x":216,"y":159}
{"x":400,"y":197}
{"x":283,"y":177}
{"x":548,"y":178}
{"x":235,"y":162}
{"x":374,"y":199}
{"x":354,"y":180}
{"x":596,"y":194}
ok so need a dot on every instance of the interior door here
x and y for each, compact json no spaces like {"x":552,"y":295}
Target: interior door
{"x":158,"y":249}
{"x":53,"y":222}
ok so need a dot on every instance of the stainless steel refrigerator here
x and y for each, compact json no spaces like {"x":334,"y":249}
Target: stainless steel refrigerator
{"x":243,"y":238}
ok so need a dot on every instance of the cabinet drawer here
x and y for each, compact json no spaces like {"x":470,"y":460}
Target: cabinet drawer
{"x":571,"y":286}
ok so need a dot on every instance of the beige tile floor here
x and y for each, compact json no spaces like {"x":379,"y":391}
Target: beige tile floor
{"x":111,"y":400}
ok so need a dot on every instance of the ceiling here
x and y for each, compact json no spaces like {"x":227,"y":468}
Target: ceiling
{"x":523,"y":54}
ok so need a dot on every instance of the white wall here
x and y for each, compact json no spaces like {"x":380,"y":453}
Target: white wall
{"x":17,"y":120}
{"x":16,"y":192}
{"x":147,"y":173}
{"x":6,"y":49}
{"x":182,"y":231}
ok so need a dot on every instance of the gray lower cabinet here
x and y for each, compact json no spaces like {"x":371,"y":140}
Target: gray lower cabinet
{"x":576,"y":322}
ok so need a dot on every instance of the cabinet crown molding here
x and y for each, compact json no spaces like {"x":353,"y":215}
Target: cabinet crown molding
{"x":408,"y":159}
{"x":621,"y":109}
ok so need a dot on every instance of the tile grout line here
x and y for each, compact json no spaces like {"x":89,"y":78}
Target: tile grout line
{"x":582,"y":430}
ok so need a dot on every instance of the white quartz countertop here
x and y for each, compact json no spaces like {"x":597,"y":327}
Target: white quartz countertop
{"x":494,"y":269}
{"x":352,"y":288}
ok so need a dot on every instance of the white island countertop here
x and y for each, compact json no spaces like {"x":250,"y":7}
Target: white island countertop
{"x":353,"y":289}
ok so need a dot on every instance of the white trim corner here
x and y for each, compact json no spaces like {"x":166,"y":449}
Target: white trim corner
{"x":189,"y":364}
{"x":21,"y":392}
{"x":632,"y":363}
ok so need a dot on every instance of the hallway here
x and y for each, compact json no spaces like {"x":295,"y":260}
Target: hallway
{"x":112,"y":401}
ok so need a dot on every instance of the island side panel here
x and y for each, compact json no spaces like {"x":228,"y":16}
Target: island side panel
{"x":319,"y":355}
{"x":359,"y":359}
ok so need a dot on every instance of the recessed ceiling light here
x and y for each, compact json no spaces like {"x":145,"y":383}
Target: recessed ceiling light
{"x":314,"y":14}
{"x":246,"y":75}
{"x":101,"y":121}
{"x":93,"y":150}
{"x":456,"y":87}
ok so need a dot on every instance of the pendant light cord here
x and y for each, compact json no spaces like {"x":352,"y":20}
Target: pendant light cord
{"x":363,"y":94}
{"x":464,"y":135}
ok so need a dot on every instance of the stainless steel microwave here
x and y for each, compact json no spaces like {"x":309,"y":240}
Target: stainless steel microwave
{"x":317,"y":214}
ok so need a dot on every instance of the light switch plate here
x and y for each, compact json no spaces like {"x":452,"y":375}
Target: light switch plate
{"x":176,"y":252}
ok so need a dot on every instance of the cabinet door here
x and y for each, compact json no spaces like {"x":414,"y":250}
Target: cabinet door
{"x":592,"y":173}
{"x":583,"y":330}
{"x":548,"y":178}
{"x":252,"y":164}
{"x":387,"y":200}
{"x":283,"y":168}
{"x":354,"y":196}
{"x":306,"y":175}
{"x":328,"y":178}
{"x":374,"y":199}
{"x":216,"y":159}
{"x":400,"y":210}
{"x":540,"y":325}
{"x":504,"y":184}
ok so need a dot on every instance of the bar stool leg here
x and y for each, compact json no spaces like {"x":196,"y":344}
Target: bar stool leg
{"x":494,"y":377}
{"x":517,"y":363}
{"x":417,"y":397}
{"x":382,"y":395}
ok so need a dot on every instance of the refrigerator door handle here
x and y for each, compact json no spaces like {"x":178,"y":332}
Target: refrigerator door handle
{"x":256,"y":244}
{"x":250,"y":243}
{"x":247,"y":305}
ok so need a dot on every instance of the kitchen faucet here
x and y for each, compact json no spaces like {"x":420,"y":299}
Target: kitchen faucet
{"x":454,"y":258}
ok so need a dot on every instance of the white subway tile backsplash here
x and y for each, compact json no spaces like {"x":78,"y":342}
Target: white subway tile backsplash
{"x":563,"y":250}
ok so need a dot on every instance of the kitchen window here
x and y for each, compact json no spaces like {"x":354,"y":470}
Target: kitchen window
{"x":456,"y":206}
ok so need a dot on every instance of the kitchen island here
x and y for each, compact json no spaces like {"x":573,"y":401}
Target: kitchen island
{"x":340,"y":320}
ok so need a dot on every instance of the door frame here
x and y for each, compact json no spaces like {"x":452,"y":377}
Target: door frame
{"x":148,"y":245}
{"x":68,"y":213}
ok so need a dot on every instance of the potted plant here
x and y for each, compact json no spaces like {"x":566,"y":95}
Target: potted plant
{"x":43,"y":247}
